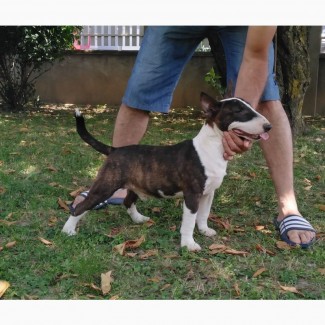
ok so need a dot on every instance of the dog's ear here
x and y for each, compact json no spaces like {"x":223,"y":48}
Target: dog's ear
{"x":209,"y":105}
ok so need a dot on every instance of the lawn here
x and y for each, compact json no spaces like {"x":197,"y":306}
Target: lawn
{"x":43,"y":162}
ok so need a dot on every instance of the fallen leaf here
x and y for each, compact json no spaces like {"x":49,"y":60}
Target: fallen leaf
{"x":77,"y":191}
{"x":223,"y":223}
{"x":52,"y":221}
{"x":116,"y":297}
{"x":45,"y":241}
{"x":237,"y":290}
{"x":11,"y":244}
{"x":308,"y":188}
{"x":235,"y":252}
{"x":149,"y":223}
{"x":283,"y":245}
{"x":164,"y":287}
{"x":217,"y":246}
{"x":52,"y":168}
{"x":172,"y":228}
{"x":131,"y":254}
{"x":259,"y":272}
{"x":291,"y":289}
{"x":7,"y":223}
{"x":149,"y":253}
{"x":114,"y":232}
{"x":24,"y":129}
{"x":63,"y":205}
{"x":156,"y":210}
{"x":106,"y":279}
{"x":259,"y":228}
{"x":120,"y":248}
{"x":1,"y":248}
{"x":134,"y":243}
{"x":239,"y":229}
{"x":262,"y":249}
{"x":307,"y":181}
{"x":2,"y":190}
{"x":4,"y":285}
{"x":321,"y":207}
{"x":321,"y":271}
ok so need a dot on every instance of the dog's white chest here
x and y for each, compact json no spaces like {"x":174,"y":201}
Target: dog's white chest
{"x":208,"y":145}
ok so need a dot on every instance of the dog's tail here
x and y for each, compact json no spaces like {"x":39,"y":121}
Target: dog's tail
{"x":87,"y":137}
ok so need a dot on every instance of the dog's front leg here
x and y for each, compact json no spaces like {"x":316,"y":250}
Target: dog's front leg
{"x":70,"y":226}
{"x":187,"y":228}
{"x":203,"y":215}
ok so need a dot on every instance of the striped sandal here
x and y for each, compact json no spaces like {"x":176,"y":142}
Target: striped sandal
{"x":293,"y":222}
{"x":102,"y":205}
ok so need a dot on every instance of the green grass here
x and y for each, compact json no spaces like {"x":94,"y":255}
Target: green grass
{"x":42,"y":159}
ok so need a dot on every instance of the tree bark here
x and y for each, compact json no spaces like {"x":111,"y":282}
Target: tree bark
{"x":292,"y":69}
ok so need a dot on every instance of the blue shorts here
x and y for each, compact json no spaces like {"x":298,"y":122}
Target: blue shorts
{"x":164,"y":52}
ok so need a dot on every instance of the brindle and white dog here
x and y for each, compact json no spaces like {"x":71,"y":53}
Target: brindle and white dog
{"x":192,"y":169}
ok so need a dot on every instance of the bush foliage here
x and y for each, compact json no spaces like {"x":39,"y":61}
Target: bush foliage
{"x":23,"y":53}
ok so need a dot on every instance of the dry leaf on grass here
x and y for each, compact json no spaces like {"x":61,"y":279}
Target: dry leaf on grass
{"x":45,"y":241}
{"x":7,"y":223}
{"x":222,"y":223}
{"x":321,"y":271}
{"x":149,"y":223}
{"x":149,"y":253}
{"x":259,"y":272}
{"x":11,"y":244}
{"x":260,"y":248}
{"x":237,"y":290}
{"x":106,"y":280}
{"x":321,"y":207}
{"x":4,"y":285}
{"x":220,"y":248}
{"x":283,"y":245}
{"x":63,"y":205}
{"x":130,"y":244}
{"x":52,"y":168}
{"x":77,"y":191}
{"x":291,"y":289}
{"x":2,"y":190}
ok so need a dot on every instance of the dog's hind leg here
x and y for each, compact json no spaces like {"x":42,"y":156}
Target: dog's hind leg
{"x":129,"y":202}
{"x":190,"y":208}
{"x":203,"y":215}
{"x":70,"y":226}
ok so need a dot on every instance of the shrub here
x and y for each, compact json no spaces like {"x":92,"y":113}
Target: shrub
{"x":23,"y":53}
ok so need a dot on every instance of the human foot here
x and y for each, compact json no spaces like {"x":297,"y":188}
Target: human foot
{"x":295,"y":230}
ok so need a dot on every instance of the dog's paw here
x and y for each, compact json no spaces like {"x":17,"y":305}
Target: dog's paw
{"x":192,"y":246}
{"x":209,"y":232}
{"x":140,"y":219}
{"x":68,"y":231}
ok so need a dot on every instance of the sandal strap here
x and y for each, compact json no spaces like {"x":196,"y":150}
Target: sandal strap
{"x":294,"y":222}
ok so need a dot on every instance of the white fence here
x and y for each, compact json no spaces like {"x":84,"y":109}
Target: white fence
{"x":111,"y":38}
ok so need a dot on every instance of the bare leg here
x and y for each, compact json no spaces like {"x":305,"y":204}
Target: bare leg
{"x":278,"y":152}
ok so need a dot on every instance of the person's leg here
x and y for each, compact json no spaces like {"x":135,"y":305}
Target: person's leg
{"x":278,"y":152}
{"x":278,"y":149}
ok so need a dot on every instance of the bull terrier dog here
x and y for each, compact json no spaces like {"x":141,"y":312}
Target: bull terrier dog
{"x":192,"y":169}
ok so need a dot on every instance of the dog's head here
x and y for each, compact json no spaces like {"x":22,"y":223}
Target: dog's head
{"x":237,"y":115}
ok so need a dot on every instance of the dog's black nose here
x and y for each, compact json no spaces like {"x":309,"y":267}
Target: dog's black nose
{"x":267,"y":127}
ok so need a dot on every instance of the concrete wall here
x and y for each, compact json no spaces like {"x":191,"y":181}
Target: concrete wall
{"x":101,"y":78}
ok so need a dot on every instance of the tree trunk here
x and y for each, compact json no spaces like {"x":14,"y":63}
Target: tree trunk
{"x":292,"y":69}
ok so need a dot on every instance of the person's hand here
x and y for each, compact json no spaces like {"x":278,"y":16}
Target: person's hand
{"x":234,"y":144}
